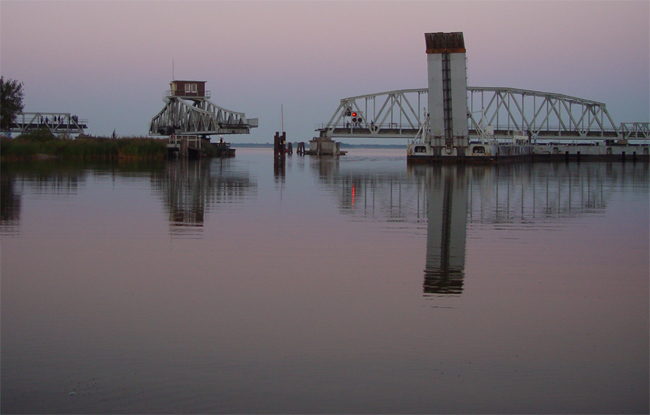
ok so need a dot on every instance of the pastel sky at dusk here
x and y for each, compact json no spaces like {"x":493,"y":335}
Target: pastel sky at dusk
{"x":110,"y":62}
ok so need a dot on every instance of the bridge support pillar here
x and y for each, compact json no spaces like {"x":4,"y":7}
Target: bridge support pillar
{"x":324,"y":146}
{"x":447,"y":78}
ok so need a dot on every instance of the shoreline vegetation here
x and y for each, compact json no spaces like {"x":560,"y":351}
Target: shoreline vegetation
{"x":43,"y":145}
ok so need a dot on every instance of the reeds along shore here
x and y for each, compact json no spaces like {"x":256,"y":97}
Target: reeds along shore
{"x":42,"y":144}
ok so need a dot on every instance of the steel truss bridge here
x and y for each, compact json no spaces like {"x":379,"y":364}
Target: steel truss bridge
{"x":198,"y":117}
{"x":491,"y":112}
{"x":57,"y":122}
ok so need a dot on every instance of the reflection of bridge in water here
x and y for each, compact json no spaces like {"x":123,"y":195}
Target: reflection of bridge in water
{"x":190,"y":188}
{"x":454,"y":199}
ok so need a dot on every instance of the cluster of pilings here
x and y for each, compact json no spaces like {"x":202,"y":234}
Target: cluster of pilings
{"x":280,"y":150}
{"x":280,"y":146}
{"x":319,"y":146}
{"x":184,"y":146}
{"x":300,"y":149}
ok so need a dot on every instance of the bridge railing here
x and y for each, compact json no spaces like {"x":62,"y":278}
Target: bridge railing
{"x":188,"y":95}
{"x":369,"y":126}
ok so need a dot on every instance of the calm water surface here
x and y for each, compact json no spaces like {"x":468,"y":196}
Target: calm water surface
{"x":351,"y":285}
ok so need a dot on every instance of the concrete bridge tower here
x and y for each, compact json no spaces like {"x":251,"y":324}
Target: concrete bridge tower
{"x":447,"y":76}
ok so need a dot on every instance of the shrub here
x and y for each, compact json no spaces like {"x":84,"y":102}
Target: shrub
{"x":38,"y":136}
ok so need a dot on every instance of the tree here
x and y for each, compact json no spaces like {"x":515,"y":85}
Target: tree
{"x":12,"y":101}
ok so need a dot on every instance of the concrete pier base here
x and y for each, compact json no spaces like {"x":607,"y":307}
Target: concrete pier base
{"x":491,"y":153}
{"x":324,"y":146}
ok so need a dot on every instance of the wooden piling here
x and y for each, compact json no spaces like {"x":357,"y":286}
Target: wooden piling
{"x":279,"y":143}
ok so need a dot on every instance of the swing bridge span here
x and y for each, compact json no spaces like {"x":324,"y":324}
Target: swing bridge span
{"x":492,"y":112}
{"x":190,"y":112}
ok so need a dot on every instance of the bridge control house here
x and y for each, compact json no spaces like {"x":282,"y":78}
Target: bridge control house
{"x":189,"y":89}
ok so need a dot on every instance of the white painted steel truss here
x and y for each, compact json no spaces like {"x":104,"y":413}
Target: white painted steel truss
{"x":506,"y":111}
{"x":56,"y":122}
{"x":540,"y":114}
{"x":200,"y":117}
{"x":631,"y":130}
{"x":386,"y":114}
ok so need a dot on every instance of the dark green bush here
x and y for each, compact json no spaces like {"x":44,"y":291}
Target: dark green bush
{"x":41,"y":135}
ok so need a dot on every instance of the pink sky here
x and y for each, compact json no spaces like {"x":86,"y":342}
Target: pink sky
{"x":110,"y":62}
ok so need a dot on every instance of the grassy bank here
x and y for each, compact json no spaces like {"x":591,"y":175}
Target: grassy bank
{"x":43,"y":144}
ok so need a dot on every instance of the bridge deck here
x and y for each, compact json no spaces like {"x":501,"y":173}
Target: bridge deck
{"x":408,"y":133}
{"x":19,"y":126}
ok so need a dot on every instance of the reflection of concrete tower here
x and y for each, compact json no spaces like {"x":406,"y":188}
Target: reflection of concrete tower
{"x":447,"y":76}
{"x":446,"y":230}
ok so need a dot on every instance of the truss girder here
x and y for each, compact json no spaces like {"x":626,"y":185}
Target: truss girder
{"x":540,"y":113}
{"x":631,"y":130}
{"x":199,"y":117}
{"x":56,"y":122}
{"x":506,"y":110}
{"x":394,"y":113}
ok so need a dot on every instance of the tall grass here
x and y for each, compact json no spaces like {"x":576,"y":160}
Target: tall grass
{"x":43,"y":143}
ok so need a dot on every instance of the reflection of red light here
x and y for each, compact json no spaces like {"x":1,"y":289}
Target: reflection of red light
{"x":352,"y":195}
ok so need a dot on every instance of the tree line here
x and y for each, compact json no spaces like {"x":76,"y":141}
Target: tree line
{"x":11,"y":101}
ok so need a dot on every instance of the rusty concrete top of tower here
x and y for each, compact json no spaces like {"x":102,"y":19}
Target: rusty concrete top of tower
{"x":445,"y":42}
